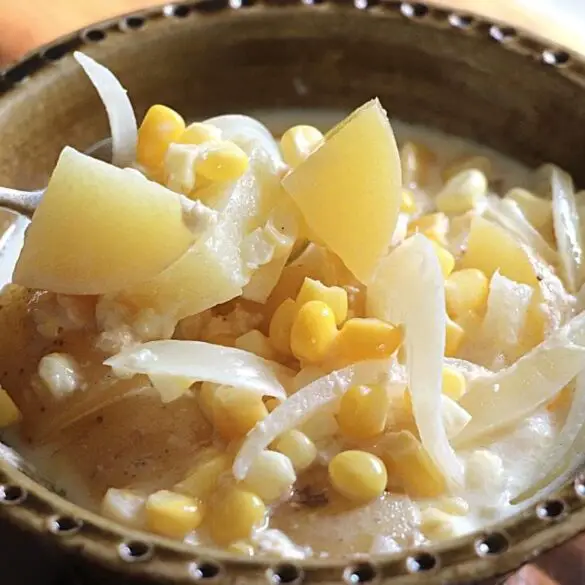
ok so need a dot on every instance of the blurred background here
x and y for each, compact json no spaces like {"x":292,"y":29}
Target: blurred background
{"x":26,"y":24}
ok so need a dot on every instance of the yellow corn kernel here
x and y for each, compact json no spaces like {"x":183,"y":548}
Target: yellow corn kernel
{"x":241,"y":548}
{"x":358,"y":475}
{"x":201,"y":482}
{"x":279,"y":331}
{"x":363,"y":411}
{"x":446,"y":259}
{"x":223,"y":161}
{"x":199,"y":133}
{"x":407,"y":398}
{"x":298,"y":142}
{"x":124,"y":507}
{"x":365,"y":339}
{"x":437,"y":525}
{"x":233,"y":515}
{"x":9,"y":412}
{"x":433,"y":225}
{"x":271,"y":403}
{"x":537,"y":210}
{"x":270,"y":476}
{"x":401,"y":355}
{"x":334,"y":296}
{"x":408,"y":204}
{"x":322,"y":425}
{"x":407,"y":462}
{"x":453,"y":505}
{"x":562,"y":400}
{"x":298,"y":448}
{"x":466,"y":290}
{"x":313,"y":332}
{"x":463,"y":192}
{"x":160,"y":127}
{"x":236,"y":411}
{"x":453,"y":337}
{"x":206,"y":398}
{"x":466,"y":163}
{"x":256,"y":342}
{"x":416,"y":161}
{"x":171,"y":514}
{"x":454,"y":385}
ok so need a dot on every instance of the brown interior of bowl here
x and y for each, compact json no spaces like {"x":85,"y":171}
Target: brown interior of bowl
{"x":302,"y":56}
{"x":456,"y":73}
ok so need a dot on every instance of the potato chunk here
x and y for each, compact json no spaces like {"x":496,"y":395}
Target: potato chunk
{"x":214,"y":269}
{"x":490,"y":248}
{"x":349,"y":189}
{"x":99,"y":229}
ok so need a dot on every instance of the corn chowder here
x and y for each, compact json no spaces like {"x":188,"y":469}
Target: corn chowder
{"x":312,"y":346}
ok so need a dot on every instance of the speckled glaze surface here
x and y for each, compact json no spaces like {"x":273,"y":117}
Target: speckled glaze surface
{"x":456,"y":72}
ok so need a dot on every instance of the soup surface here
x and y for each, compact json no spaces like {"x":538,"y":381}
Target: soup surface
{"x":297,"y":343}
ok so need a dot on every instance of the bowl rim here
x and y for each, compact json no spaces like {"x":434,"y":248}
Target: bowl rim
{"x":492,"y":552}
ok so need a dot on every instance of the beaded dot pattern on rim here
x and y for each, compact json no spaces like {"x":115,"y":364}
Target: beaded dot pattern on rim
{"x":542,"y":521}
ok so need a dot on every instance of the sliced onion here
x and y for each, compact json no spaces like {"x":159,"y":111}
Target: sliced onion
{"x":508,"y":214}
{"x":118,"y":108}
{"x":560,"y":304}
{"x":455,"y":418}
{"x":279,"y":233}
{"x":408,"y":289}
{"x":302,"y":405}
{"x":569,"y":446}
{"x":197,"y":360}
{"x":401,"y":229}
{"x":507,"y":305}
{"x":505,"y":397}
{"x":245,"y":130}
{"x":567,"y":229}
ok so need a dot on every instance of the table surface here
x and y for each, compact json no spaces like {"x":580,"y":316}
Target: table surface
{"x":30,"y":23}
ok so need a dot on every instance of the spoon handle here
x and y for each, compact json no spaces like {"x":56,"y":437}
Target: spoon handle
{"x":24,"y":202}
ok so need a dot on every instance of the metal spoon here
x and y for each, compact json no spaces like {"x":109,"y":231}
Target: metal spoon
{"x":25,"y":202}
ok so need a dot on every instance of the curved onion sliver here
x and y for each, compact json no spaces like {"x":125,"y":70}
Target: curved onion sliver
{"x":120,"y":113}
{"x":567,"y":229}
{"x":408,"y":289}
{"x":200,"y":361}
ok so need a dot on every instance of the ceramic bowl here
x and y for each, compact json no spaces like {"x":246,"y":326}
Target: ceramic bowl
{"x":456,"y":72}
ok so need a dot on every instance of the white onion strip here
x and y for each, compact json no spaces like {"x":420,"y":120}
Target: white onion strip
{"x":299,"y":407}
{"x":567,"y":229}
{"x":408,"y":289}
{"x":568,"y":446}
{"x":511,"y":394}
{"x":118,"y":108}
{"x":507,"y":306}
{"x":207,"y":362}
{"x":244,"y":129}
